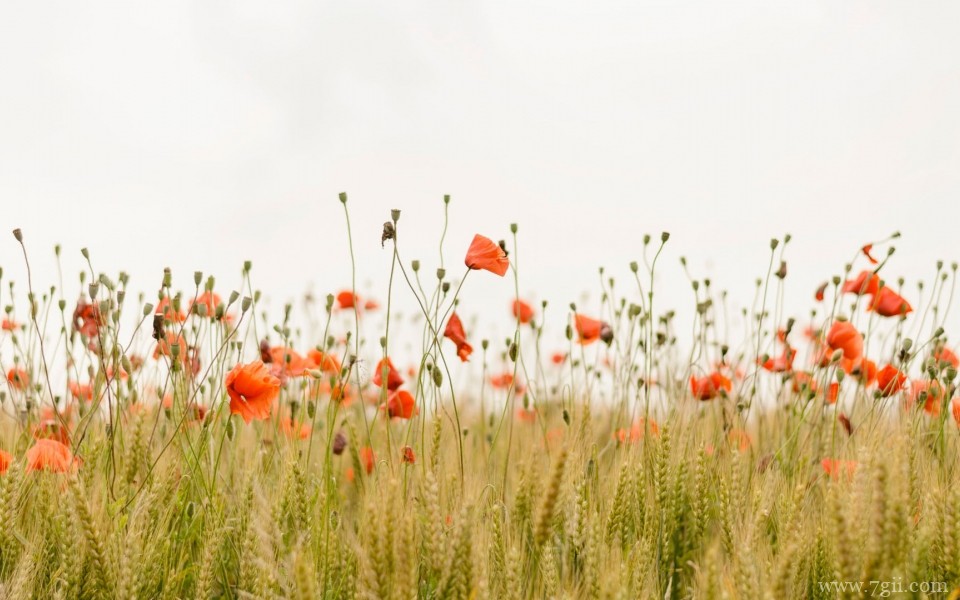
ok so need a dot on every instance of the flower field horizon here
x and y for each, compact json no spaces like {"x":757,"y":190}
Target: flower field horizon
{"x":186,"y":443}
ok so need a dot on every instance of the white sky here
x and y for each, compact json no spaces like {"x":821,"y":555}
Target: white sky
{"x":199,"y":134}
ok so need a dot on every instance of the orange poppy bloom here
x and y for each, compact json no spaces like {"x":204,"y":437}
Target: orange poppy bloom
{"x":394,"y":379}
{"x":368,"y":458}
{"x":955,"y":409}
{"x":834,"y":468}
{"x":5,"y":459}
{"x":844,"y":336}
{"x":18,"y":378}
{"x":740,"y":438}
{"x":635,"y":433}
{"x":210,"y":300}
{"x":867,"y":252}
{"x":401,"y":404}
{"x":782,"y":363}
{"x":526,"y":415}
{"x":888,"y":303}
{"x":81,"y":391}
{"x":252,"y":390}
{"x":486,"y":255}
{"x":165,"y":308}
{"x":502,"y":381}
{"x":588,"y":330}
{"x":371,"y":305}
{"x":803,"y":380}
{"x":292,"y":362}
{"x":408,"y":456}
{"x":327,"y":363}
{"x":8,"y":325}
{"x":708,"y":387}
{"x":294,"y":429}
{"x":347,"y":299}
{"x":890,"y":380}
{"x":862,"y":368}
{"x":946,"y":355}
{"x":522,"y":311}
{"x":454,"y":331}
{"x":50,"y":455}
{"x":933,"y":398}
{"x":87,"y":319}
{"x":867,"y":282}
{"x":164,"y":346}
{"x":558,"y":358}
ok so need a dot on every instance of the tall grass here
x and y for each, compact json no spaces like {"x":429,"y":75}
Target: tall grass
{"x":597,"y":473}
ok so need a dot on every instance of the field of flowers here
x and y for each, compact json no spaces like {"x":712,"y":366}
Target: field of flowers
{"x":206,"y":451}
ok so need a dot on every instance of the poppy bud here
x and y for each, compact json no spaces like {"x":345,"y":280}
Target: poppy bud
{"x":233,"y":297}
{"x":633,"y":266}
{"x":646,"y":239}
{"x":840,"y":375}
{"x":446,"y":198}
{"x":63,"y":304}
{"x":606,"y":334}
{"x":167,"y":277}
{"x":774,"y":243}
{"x":950,"y":374}
{"x":245,"y":303}
{"x":513,"y":227}
{"x":339,"y":443}
{"x":787,"y":238}
{"x":513,"y":353}
{"x":231,"y":429}
{"x":782,"y":271}
{"x":147,"y":309}
{"x":837,"y":355}
{"x":247,"y":265}
{"x":197,"y":277}
{"x":311,"y":409}
{"x":938,"y":332}
{"x":395,"y":214}
{"x":343,"y":197}
{"x":569,"y":332}
{"x":93,"y":289}
{"x":445,"y":287}
{"x":437,"y":377}
{"x":664,"y":237}
{"x":441,"y":273}
{"x":484,"y":344}
{"x":83,"y":251}
{"x":200,"y":309}
{"x":415,"y":265}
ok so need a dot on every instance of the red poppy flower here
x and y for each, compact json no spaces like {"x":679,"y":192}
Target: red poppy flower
{"x":636,"y":431}
{"x":50,"y":455}
{"x":890,"y":380}
{"x":8,"y":325}
{"x":408,"y":456}
{"x":782,"y":363}
{"x":888,"y":303}
{"x":946,"y":355}
{"x":834,"y":468}
{"x":588,"y":330}
{"x":401,"y":404}
{"x":867,"y":282}
{"x":526,"y":415}
{"x":165,"y":308}
{"x":933,"y":398}
{"x":87,"y":319}
{"x":955,"y":409}
{"x":326,"y":362}
{"x":486,"y":255}
{"x":558,"y":358}
{"x":294,"y":429}
{"x":709,"y":386}
{"x":81,"y":391}
{"x":51,"y":429}
{"x":394,"y":379}
{"x":18,"y":378}
{"x":252,"y":390}
{"x":862,"y":368}
{"x":454,"y":331}
{"x":347,"y":299}
{"x":867,"y":252}
{"x":844,"y":336}
{"x":210,"y":300}
{"x":293,"y":363}
{"x":368,"y":458}
{"x":165,"y":346}
{"x":5,"y":459}
{"x":502,"y":381}
{"x":522,"y":311}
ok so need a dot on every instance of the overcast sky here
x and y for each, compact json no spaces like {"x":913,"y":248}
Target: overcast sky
{"x":196,"y":135}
